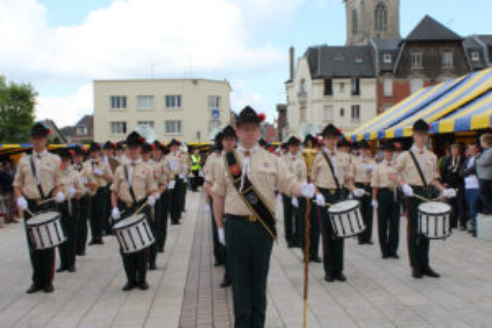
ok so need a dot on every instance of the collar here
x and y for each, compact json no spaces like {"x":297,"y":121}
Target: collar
{"x":136,"y":162}
{"x":296,"y":156}
{"x":328,"y":151}
{"x":251,"y":150}
{"x":44,"y":152}
{"x":417,"y":149}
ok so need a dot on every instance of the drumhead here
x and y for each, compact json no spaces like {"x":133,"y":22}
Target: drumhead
{"x":43,"y":218}
{"x":129,"y":221}
{"x":344,"y":206}
{"x":434,"y":208}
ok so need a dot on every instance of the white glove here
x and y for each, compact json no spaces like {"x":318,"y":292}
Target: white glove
{"x":308,"y":190}
{"x":98,"y":171}
{"x":60,"y":197}
{"x":157,"y":195}
{"x":221,"y":236}
{"x":182,"y":176}
{"x":407,"y":190}
{"x":351,"y":196}
{"x":151,"y":200}
{"x":374,"y":203}
{"x":359,"y":192}
{"x":320,"y":200}
{"x":279,"y":197}
{"x":206,"y":207}
{"x":85,"y":181}
{"x":22,"y":203}
{"x":295,"y":202}
{"x":115,"y":213}
{"x":71,"y":191}
{"x":367,"y":168}
{"x":449,"y":193}
{"x":171,"y":184}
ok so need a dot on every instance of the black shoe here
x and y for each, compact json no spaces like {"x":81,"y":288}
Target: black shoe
{"x":218,"y":263}
{"x":385,"y":257}
{"x":474,"y":233}
{"x":34,"y":288}
{"x":226,"y":283}
{"x":143,"y":285}
{"x":329,"y":278}
{"x":100,"y":241}
{"x":369,"y":242}
{"x":128,"y":286}
{"x":48,"y":288}
{"x":152,"y":267}
{"x":81,"y":253}
{"x":340,"y":277}
{"x":92,"y":242}
{"x":395,"y":256}
{"x":316,"y":259}
{"x":161,"y":250}
{"x":416,"y":274}
{"x":61,"y":269}
{"x":360,"y":241}
{"x":71,"y":269}
{"x":430,"y":273}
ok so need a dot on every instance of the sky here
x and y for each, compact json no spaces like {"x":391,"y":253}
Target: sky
{"x":61,"y":46}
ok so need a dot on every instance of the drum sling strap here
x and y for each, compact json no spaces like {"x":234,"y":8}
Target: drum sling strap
{"x":332,"y":170}
{"x":249,"y":194}
{"x":419,"y":169}
{"x":38,"y":183}
{"x":130,"y":186}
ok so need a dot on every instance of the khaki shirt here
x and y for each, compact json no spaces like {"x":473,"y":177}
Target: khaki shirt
{"x":142,"y":181}
{"x":72,"y":178}
{"x":89,"y":167}
{"x":49,"y":175}
{"x":321,"y":174}
{"x":159,"y":172}
{"x":296,"y":166}
{"x":175,"y":164}
{"x":406,"y":166}
{"x":266,"y":172}
{"x":381,"y":176}
{"x":211,"y":166}
{"x":358,"y":172}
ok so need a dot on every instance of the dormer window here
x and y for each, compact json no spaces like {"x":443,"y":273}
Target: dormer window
{"x":339,"y":58}
{"x":359,"y":60}
{"x":387,"y":58}
{"x":475,"y":56}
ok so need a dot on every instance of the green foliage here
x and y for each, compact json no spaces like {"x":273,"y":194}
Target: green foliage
{"x":16,"y":111}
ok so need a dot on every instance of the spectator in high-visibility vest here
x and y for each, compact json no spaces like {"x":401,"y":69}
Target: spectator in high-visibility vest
{"x":196,"y":166}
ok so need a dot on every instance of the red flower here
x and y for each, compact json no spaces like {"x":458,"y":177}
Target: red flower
{"x":262,"y":117}
{"x":48,"y":131}
{"x":152,"y":146}
{"x":142,"y":139}
{"x":71,"y":152}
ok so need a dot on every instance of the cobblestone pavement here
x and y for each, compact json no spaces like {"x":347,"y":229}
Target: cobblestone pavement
{"x":185,"y":291}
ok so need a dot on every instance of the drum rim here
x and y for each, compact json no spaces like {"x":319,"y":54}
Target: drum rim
{"x":115,"y":228}
{"x":346,"y":211}
{"x":29,"y":222}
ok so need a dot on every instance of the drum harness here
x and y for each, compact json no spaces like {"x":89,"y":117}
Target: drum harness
{"x":130,"y":189}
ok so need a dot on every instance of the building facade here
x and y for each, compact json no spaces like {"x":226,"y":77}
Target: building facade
{"x":185,"y":109}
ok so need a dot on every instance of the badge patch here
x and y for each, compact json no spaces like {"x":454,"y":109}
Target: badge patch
{"x":234,"y":169}
{"x":252,"y":198}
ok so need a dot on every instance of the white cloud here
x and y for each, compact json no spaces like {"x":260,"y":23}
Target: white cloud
{"x":123,"y":40}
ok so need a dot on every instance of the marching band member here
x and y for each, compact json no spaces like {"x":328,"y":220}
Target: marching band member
{"x":98,"y":176}
{"x":362,"y":167}
{"x":244,"y":194}
{"x":133,"y":186}
{"x":158,"y":156}
{"x":71,"y":182}
{"x":175,"y":165}
{"x":331,"y":173}
{"x":84,"y":201}
{"x":37,"y":179}
{"x":416,"y":174}
{"x":386,"y":201}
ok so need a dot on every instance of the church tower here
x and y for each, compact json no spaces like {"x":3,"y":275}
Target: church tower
{"x":372,"y":19}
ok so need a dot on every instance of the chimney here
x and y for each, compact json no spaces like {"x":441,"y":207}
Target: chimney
{"x":291,"y":63}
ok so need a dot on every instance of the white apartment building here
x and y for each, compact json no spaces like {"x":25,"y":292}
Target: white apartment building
{"x":185,"y":109}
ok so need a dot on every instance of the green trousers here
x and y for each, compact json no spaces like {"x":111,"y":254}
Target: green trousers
{"x":388,"y":221}
{"x":418,"y":244}
{"x":218,"y":249}
{"x":175,"y":202}
{"x":42,"y":261}
{"x":333,"y":247}
{"x":249,"y":248}
{"x":98,"y":213}
{"x":366,"y":211}
{"x":289,"y":221}
{"x":69,"y":223}
{"x":155,"y":227}
{"x":163,"y":218}
{"x":85,"y":209}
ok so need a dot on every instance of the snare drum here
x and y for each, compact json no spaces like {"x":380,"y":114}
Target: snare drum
{"x":434,"y":220}
{"x":45,"y":230}
{"x":346,"y":219}
{"x":134,"y":233}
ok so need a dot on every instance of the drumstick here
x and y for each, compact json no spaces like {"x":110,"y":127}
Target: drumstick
{"x":29,"y":212}
{"x":326,"y":204}
{"x":140,"y":208}
{"x":422,"y":198}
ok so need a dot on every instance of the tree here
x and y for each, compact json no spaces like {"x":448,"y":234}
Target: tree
{"x":16,"y":111}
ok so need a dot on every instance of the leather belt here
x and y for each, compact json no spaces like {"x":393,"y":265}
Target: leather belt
{"x":250,"y":218}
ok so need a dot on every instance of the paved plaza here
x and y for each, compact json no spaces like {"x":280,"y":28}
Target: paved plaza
{"x":184,"y":291}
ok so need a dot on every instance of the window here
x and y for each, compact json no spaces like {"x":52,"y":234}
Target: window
{"x":387,"y":59}
{"x":381,"y":18}
{"x":145,"y":102}
{"x":213,"y":102}
{"x":82,"y":130}
{"x":447,"y":59}
{"x":118,"y":127}
{"x":342,"y":112}
{"x":328,"y":113}
{"x":416,"y":59}
{"x":302,"y":114}
{"x":303,"y":86}
{"x":172,"y":127}
{"x":150,"y":124}
{"x":118,"y":102}
{"x":342,"y":86}
{"x":355,"y":87}
{"x":359,"y":60}
{"x":355,"y":112}
{"x":388,"y":87}
{"x":416,"y":85}
{"x":355,"y":22}
{"x":173,"y":101}
{"x":328,"y":89}
{"x":475,"y":56}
